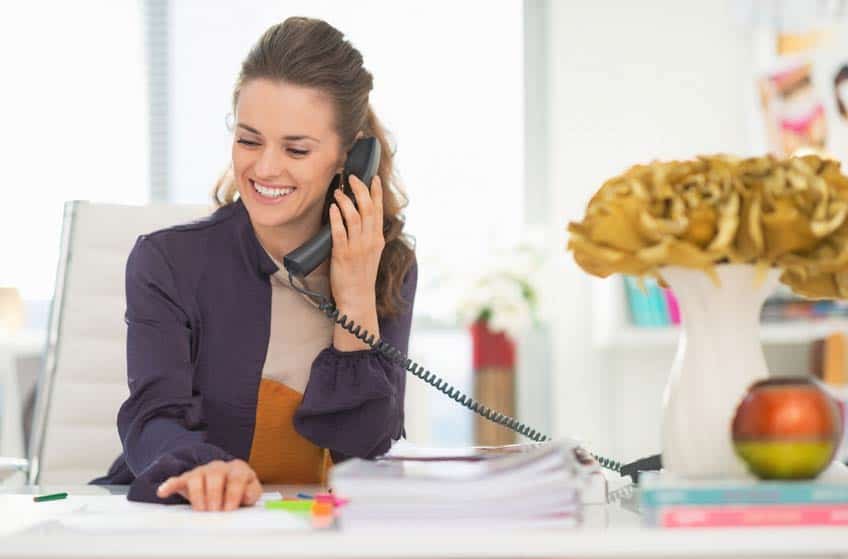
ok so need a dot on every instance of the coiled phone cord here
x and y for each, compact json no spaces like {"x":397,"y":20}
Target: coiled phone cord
{"x":396,"y":356}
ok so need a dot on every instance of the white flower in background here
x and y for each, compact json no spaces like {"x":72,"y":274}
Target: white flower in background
{"x":505,"y":290}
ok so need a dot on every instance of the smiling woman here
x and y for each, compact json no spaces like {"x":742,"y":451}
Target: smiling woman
{"x":235,"y":378}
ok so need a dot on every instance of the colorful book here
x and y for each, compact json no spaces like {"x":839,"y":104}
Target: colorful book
{"x":657,"y":302}
{"x":817,"y":359}
{"x":656,"y":493}
{"x":834,"y":366}
{"x":647,"y":307}
{"x":742,"y":516}
{"x":672,"y":305}
{"x":637,"y":301}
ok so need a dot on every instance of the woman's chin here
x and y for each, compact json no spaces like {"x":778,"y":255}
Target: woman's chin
{"x":267,"y":217}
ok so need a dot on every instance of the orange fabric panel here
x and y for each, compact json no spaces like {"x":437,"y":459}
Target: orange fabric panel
{"x":278,"y":454}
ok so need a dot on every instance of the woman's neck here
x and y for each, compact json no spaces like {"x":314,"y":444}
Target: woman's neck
{"x":279,"y":241}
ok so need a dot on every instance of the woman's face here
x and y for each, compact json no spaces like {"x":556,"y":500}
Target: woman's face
{"x":285,"y":153}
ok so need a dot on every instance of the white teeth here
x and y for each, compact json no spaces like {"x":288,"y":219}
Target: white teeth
{"x":271,"y":192}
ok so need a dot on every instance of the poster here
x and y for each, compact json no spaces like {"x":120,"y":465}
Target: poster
{"x":802,"y":89}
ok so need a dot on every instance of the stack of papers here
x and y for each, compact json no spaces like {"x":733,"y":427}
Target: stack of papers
{"x":540,"y":484}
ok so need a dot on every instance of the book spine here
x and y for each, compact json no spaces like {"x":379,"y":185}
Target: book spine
{"x":673,"y":306}
{"x":657,"y":298}
{"x":636,"y":301}
{"x":777,"y":515}
{"x":817,"y":359}
{"x":774,"y":495}
{"x":647,"y":298}
{"x":834,"y":359}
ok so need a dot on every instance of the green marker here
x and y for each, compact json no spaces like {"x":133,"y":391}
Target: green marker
{"x":52,"y":497}
{"x":289,"y":505}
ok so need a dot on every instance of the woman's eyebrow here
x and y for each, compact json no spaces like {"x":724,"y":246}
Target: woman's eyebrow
{"x":300,"y":137}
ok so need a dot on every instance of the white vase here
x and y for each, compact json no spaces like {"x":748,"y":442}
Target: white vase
{"x":719,"y":355}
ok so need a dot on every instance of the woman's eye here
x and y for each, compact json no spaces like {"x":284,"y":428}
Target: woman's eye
{"x":297,"y":152}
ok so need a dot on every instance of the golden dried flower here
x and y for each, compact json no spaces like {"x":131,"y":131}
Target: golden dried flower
{"x":789,"y":213}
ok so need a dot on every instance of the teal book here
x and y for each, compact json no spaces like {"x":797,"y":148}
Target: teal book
{"x":637,"y":302}
{"x":658,"y":304}
{"x":656,"y":492}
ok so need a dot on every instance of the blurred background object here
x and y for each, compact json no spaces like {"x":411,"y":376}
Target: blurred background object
{"x":499,"y":300}
{"x":11,"y":311}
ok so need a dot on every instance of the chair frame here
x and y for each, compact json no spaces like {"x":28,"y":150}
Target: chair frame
{"x":44,"y":386}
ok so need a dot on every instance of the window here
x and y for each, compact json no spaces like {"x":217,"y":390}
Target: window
{"x":74,"y":125}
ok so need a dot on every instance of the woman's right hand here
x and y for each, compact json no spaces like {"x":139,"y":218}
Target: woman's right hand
{"x":215,"y":486}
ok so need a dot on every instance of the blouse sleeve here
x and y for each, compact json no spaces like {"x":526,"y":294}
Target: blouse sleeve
{"x":353,"y":401}
{"x":161,"y":423}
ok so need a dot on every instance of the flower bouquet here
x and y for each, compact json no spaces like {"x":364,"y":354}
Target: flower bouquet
{"x":721,"y":231}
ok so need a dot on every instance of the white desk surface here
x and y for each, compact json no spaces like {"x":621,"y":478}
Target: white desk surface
{"x":608,"y":531}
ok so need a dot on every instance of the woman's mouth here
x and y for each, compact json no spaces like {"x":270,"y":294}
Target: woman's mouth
{"x":270,"y":194}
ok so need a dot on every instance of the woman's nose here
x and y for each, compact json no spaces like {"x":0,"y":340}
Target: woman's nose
{"x":270,"y":163}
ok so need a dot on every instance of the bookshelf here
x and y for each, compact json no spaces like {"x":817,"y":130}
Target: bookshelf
{"x":612,"y":329}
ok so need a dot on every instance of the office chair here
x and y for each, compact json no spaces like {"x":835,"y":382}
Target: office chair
{"x":74,"y":435}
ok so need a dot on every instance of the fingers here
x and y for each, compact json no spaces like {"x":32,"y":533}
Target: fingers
{"x":351,"y":217}
{"x":170,"y":486}
{"x":337,"y":229}
{"x":377,"y":198}
{"x":195,"y":485}
{"x":216,"y":476}
{"x":237,"y":481}
{"x":253,"y":492}
{"x":363,"y":202}
{"x":215,"y":486}
{"x":365,"y":222}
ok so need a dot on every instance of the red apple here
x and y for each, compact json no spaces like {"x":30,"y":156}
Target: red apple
{"x":787,"y":428}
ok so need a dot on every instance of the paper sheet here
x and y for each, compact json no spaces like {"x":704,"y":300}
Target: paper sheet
{"x":114,"y":514}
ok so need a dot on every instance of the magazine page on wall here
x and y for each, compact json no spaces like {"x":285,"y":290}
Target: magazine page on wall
{"x":802,"y":89}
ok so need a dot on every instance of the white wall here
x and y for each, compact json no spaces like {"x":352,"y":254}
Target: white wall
{"x":74,"y":121}
{"x":629,"y":82}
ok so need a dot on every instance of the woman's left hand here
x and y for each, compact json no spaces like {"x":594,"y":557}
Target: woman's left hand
{"x":357,"y":244}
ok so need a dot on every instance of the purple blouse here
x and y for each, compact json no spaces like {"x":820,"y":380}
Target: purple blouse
{"x":198,"y":321}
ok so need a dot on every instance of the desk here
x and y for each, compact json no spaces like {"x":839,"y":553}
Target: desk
{"x":609,"y":531}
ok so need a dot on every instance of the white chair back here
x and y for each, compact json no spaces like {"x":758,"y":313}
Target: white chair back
{"x":84,"y":381}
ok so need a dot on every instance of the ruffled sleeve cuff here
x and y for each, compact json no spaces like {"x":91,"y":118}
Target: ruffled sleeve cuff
{"x":351,"y":403}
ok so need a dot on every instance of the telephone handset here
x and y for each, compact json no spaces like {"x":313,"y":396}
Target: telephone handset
{"x":363,"y":161}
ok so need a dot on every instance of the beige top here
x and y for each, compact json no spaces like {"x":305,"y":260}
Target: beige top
{"x":298,"y":330}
